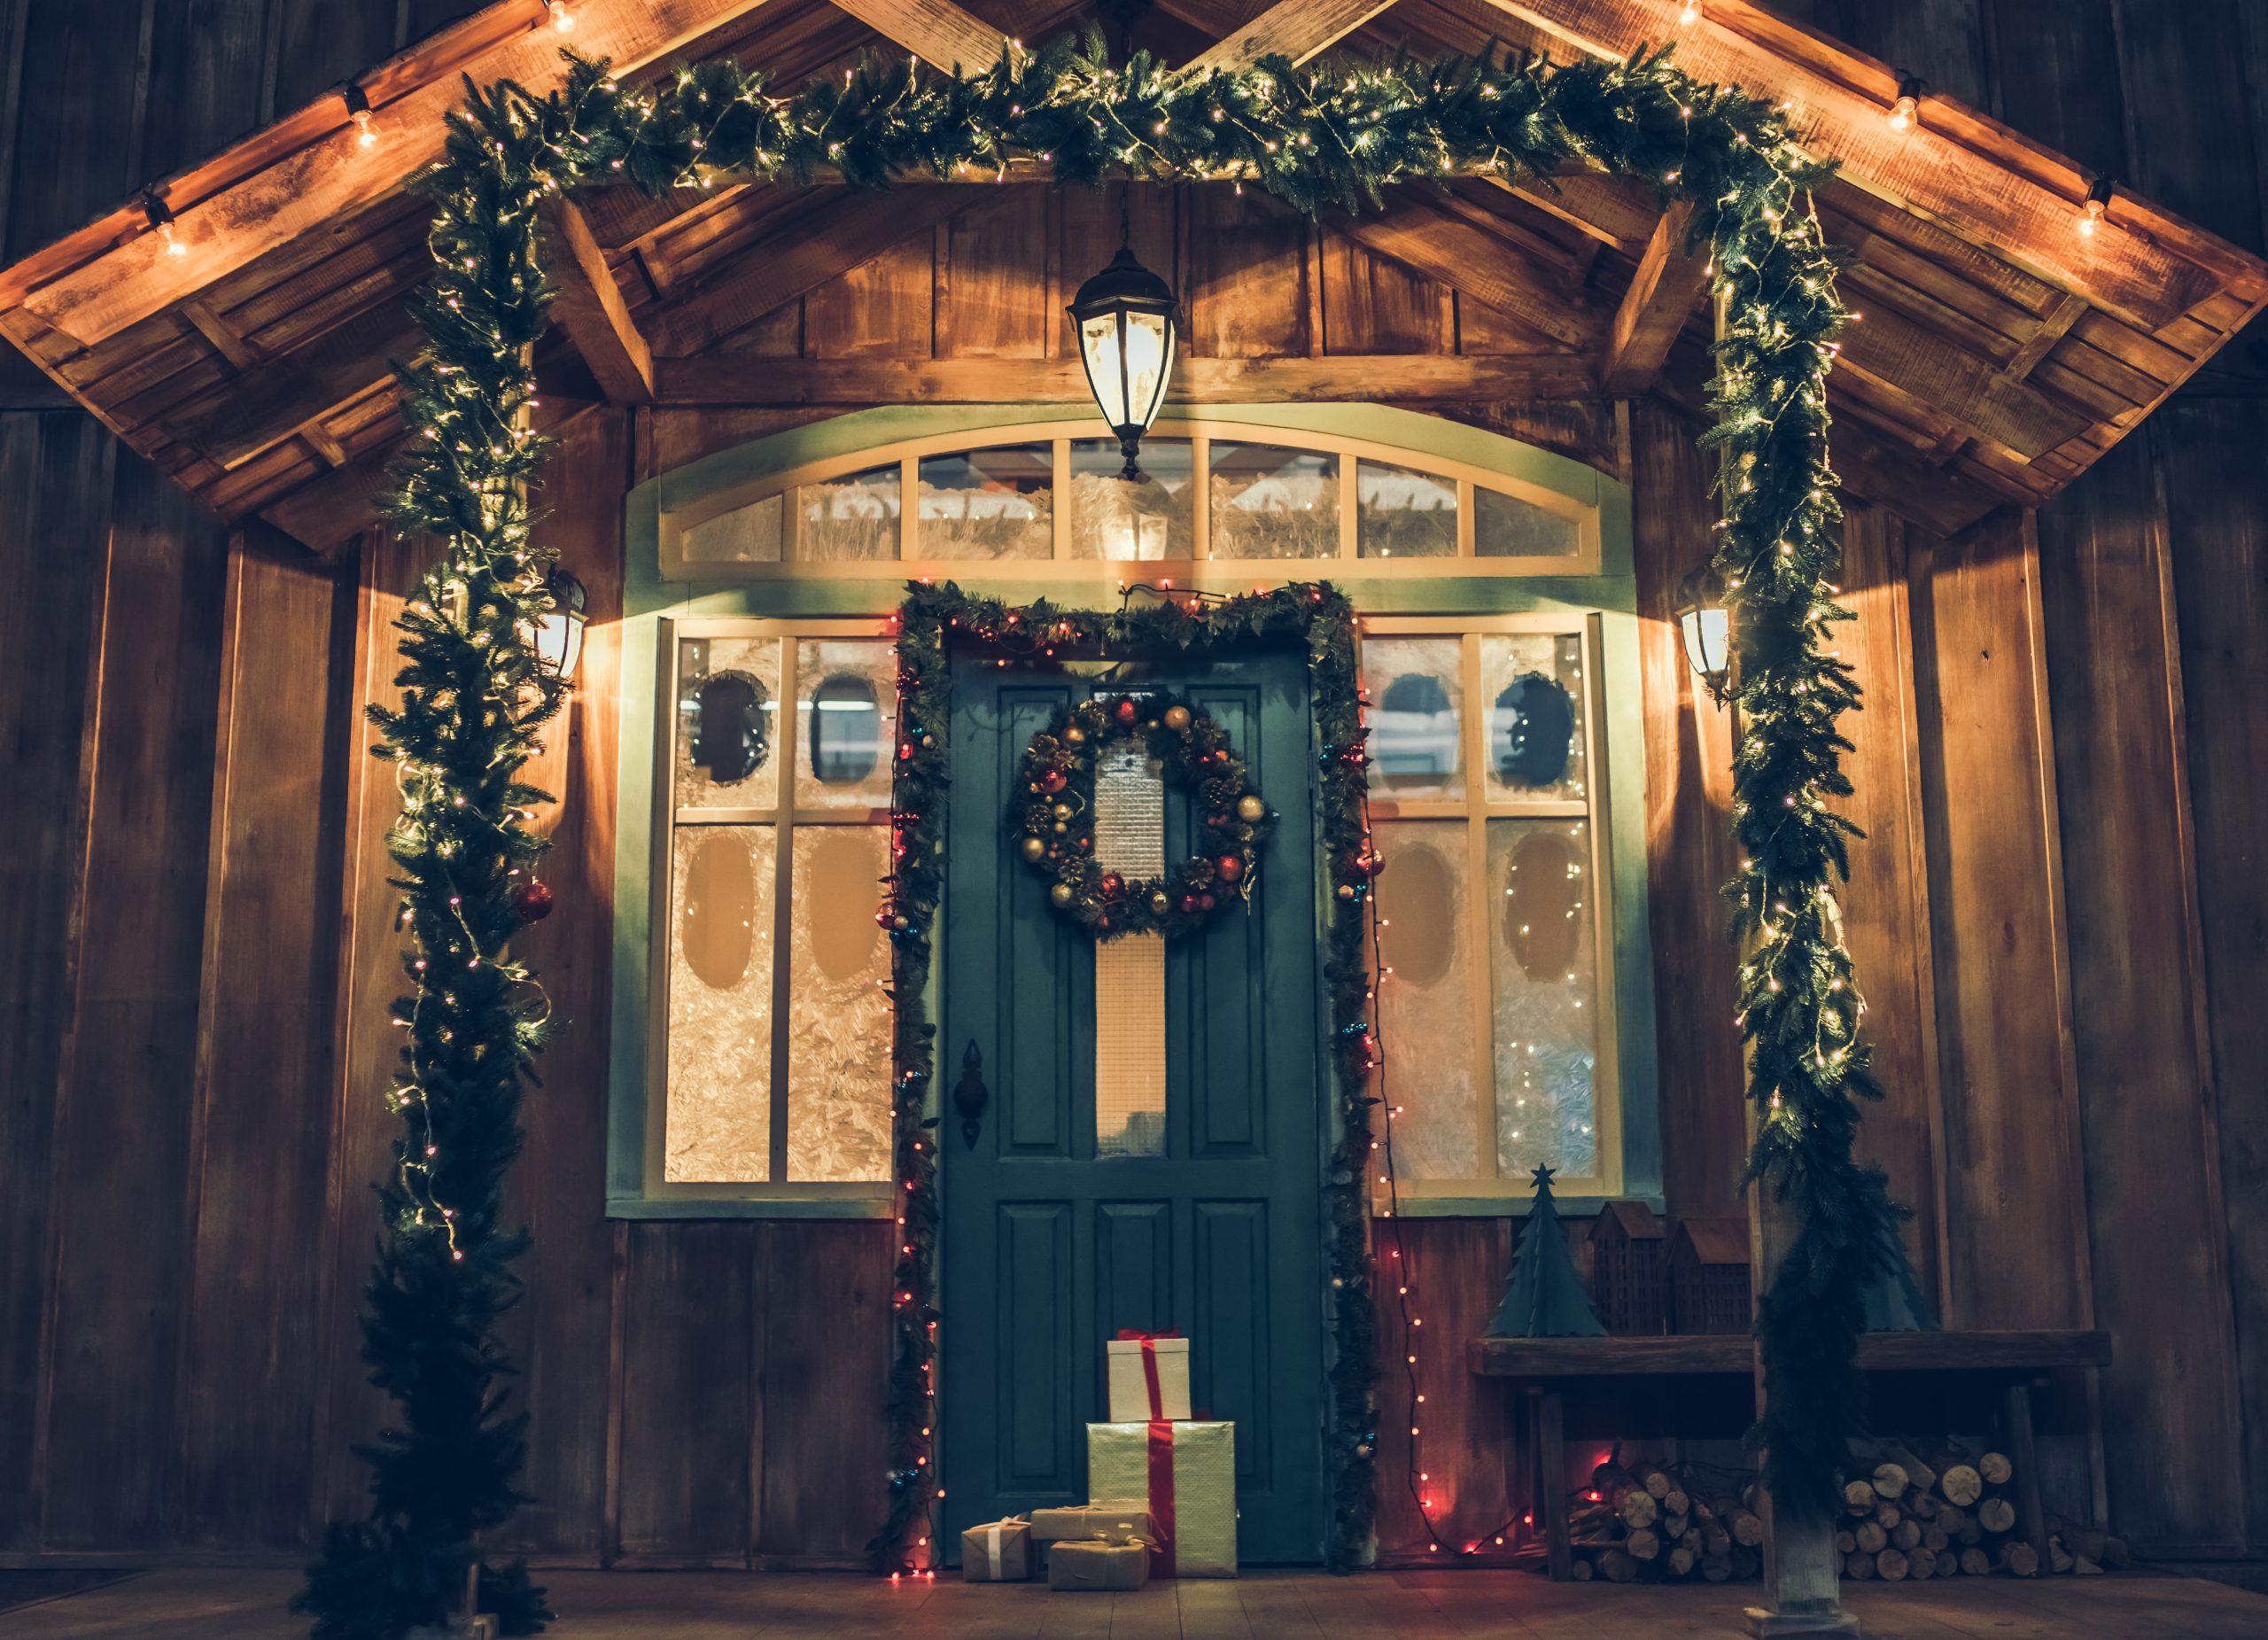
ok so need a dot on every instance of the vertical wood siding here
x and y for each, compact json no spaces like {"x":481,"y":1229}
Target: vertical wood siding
{"x":2058,"y":914}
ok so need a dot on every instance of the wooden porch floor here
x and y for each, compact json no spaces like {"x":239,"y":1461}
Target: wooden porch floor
{"x":1433,"y":1605}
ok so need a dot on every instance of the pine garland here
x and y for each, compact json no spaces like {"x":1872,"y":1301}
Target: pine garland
{"x":1327,"y":134}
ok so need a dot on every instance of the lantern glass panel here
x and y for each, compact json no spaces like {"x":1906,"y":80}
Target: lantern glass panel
{"x":1708,"y":639}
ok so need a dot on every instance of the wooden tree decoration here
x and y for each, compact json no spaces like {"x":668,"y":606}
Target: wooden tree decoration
{"x":1545,"y":1296}
{"x":1893,"y":1301}
{"x":1629,"y":1274}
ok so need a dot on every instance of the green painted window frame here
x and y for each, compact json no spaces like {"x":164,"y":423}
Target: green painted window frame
{"x":1606,"y":597}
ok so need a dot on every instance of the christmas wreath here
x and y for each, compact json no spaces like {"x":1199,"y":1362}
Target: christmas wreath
{"x":1190,"y":750}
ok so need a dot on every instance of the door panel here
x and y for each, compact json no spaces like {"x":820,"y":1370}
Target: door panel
{"x":1220,"y":1236}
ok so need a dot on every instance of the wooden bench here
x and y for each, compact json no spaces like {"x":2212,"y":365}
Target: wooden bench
{"x":1541,"y":1366}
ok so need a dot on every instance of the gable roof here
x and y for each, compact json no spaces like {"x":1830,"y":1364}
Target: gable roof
{"x":1714,"y":1240}
{"x":1633,"y":1219}
{"x":2000,"y":352}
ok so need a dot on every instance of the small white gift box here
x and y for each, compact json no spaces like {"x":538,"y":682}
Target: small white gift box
{"x":1149,"y":1377}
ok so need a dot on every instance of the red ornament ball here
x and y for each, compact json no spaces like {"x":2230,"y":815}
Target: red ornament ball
{"x":1111,"y":882}
{"x":1126,"y":712}
{"x":1231,"y":868}
{"x":1053,"y":780}
{"x":531,"y":901}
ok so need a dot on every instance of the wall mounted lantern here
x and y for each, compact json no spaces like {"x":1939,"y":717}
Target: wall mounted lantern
{"x":1125,"y":319}
{"x":559,"y":638}
{"x":1705,"y":622}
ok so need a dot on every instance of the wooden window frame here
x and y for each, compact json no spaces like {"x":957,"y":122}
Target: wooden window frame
{"x":1477,"y":807}
{"x":854,"y":1199}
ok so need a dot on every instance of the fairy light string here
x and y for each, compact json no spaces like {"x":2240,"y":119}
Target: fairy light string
{"x":473,"y":700}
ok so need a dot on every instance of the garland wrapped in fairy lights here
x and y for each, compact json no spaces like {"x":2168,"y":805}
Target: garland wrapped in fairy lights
{"x":1325,"y":134}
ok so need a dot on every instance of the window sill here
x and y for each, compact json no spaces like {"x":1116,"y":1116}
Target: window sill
{"x":876,"y":1206}
{"x":1507,"y":1206}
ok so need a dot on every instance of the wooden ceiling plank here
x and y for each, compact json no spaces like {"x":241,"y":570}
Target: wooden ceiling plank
{"x":722,"y":379}
{"x":306,"y":188}
{"x":807,"y":254}
{"x":589,"y":306}
{"x":1667,"y":286}
{"x":300,"y":388}
{"x":1298,"y":29}
{"x":1467,"y":259}
{"x":225,"y":341}
{"x":1902,"y":357}
{"x":1974,"y":193}
{"x":940,"y":32}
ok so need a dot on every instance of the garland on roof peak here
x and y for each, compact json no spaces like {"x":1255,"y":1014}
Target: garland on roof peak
{"x":1327,"y":134}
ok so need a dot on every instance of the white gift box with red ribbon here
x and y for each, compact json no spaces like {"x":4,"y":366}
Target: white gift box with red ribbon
{"x":1149,"y":1377}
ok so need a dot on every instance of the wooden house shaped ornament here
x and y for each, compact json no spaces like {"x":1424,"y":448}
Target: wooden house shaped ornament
{"x":1631,"y":1268}
{"x":1708,"y":1276}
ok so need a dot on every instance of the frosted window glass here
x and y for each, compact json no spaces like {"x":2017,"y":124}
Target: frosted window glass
{"x":988,"y":504}
{"x":748,"y":534}
{"x":1504,"y":526}
{"x":1425,"y":1005}
{"x":717,"y":1125}
{"x":1532,"y":684}
{"x":1400,"y":513}
{"x":1131,"y":520}
{"x":838,"y":1016}
{"x":846,"y":712}
{"x":850,"y":520}
{"x":1129,"y":835}
{"x":727,"y":723}
{"x":1417,"y":715}
{"x":1274,"y":504}
{"x":1544,"y":965}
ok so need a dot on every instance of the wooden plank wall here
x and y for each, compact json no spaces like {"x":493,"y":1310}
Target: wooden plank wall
{"x":2056,"y":915}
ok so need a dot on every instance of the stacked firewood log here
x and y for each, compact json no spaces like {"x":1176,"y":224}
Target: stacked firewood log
{"x":1905,"y":1517}
{"x":1948,"y":1514}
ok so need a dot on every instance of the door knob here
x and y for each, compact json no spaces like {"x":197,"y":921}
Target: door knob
{"x":969,"y":1095}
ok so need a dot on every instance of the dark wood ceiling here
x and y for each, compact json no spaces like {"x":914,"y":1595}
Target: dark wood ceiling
{"x":1998,"y":356}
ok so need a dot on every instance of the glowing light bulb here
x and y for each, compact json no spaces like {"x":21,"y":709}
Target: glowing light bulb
{"x":1689,"y":13}
{"x":561,"y":19}
{"x":1905,"y":112}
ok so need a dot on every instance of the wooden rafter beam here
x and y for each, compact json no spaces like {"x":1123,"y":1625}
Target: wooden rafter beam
{"x":1467,"y":258}
{"x":940,"y":32}
{"x":1408,"y":378}
{"x":1978,"y":195}
{"x":305,"y":188}
{"x":590,"y":309}
{"x":301,"y":389}
{"x":1669,"y":283}
{"x":813,"y":248}
{"x":1298,"y":29}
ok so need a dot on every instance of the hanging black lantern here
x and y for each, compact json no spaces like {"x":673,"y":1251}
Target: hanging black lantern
{"x":1125,"y":319}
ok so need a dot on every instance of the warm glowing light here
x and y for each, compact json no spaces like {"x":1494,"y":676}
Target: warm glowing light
{"x":561,"y":19}
{"x":2094,"y":208}
{"x":1905,"y":112}
{"x":1689,"y":13}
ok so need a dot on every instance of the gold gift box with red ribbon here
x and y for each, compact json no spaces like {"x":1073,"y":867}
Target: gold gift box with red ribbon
{"x":1187,"y":1470}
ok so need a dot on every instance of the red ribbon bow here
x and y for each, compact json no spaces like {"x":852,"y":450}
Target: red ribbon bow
{"x":1160,"y":1478}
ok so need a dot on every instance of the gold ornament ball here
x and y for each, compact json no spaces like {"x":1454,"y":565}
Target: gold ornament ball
{"x":1034,"y":847}
{"x":1250,"y":808}
{"x":1176,"y":717}
{"x":1061,"y":893}
{"x":1076,"y":736}
{"x":1159,"y":903}
{"x":1062,"y":810}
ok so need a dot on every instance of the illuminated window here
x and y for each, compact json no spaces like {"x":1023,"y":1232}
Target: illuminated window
{"x":1495,"y":901}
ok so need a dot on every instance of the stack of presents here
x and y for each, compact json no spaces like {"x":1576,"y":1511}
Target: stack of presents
{"x":1165,"y":1486}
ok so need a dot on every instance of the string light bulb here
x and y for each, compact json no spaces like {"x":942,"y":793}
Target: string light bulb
{"x":1905,"y":110}
{"x":161,"y":219}
{"x":2094,"y":208}
{"x":1689,"y":13}
{"x":561,"y":19}
{"x":358,"y":110}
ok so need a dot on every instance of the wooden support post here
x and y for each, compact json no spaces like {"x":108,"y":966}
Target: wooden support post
{"x":1802,"y":1571}
{"x":1663,"y":294}
{"x":590,"y":309}
{"x":2024,"y":1451}
{"x":1551,"y":1480}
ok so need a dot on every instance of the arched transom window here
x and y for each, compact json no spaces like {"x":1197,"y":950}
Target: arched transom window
{"x":1046,"y":499}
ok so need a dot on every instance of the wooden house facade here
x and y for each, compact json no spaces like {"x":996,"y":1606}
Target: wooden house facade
{"x":2061,"y":616}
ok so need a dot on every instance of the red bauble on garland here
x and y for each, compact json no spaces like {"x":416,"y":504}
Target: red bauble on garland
{"x":1191,"y":751}
{"x":532,"y":900}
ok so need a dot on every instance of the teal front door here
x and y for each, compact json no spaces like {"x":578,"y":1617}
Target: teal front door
{"x":1055,"y":1236}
